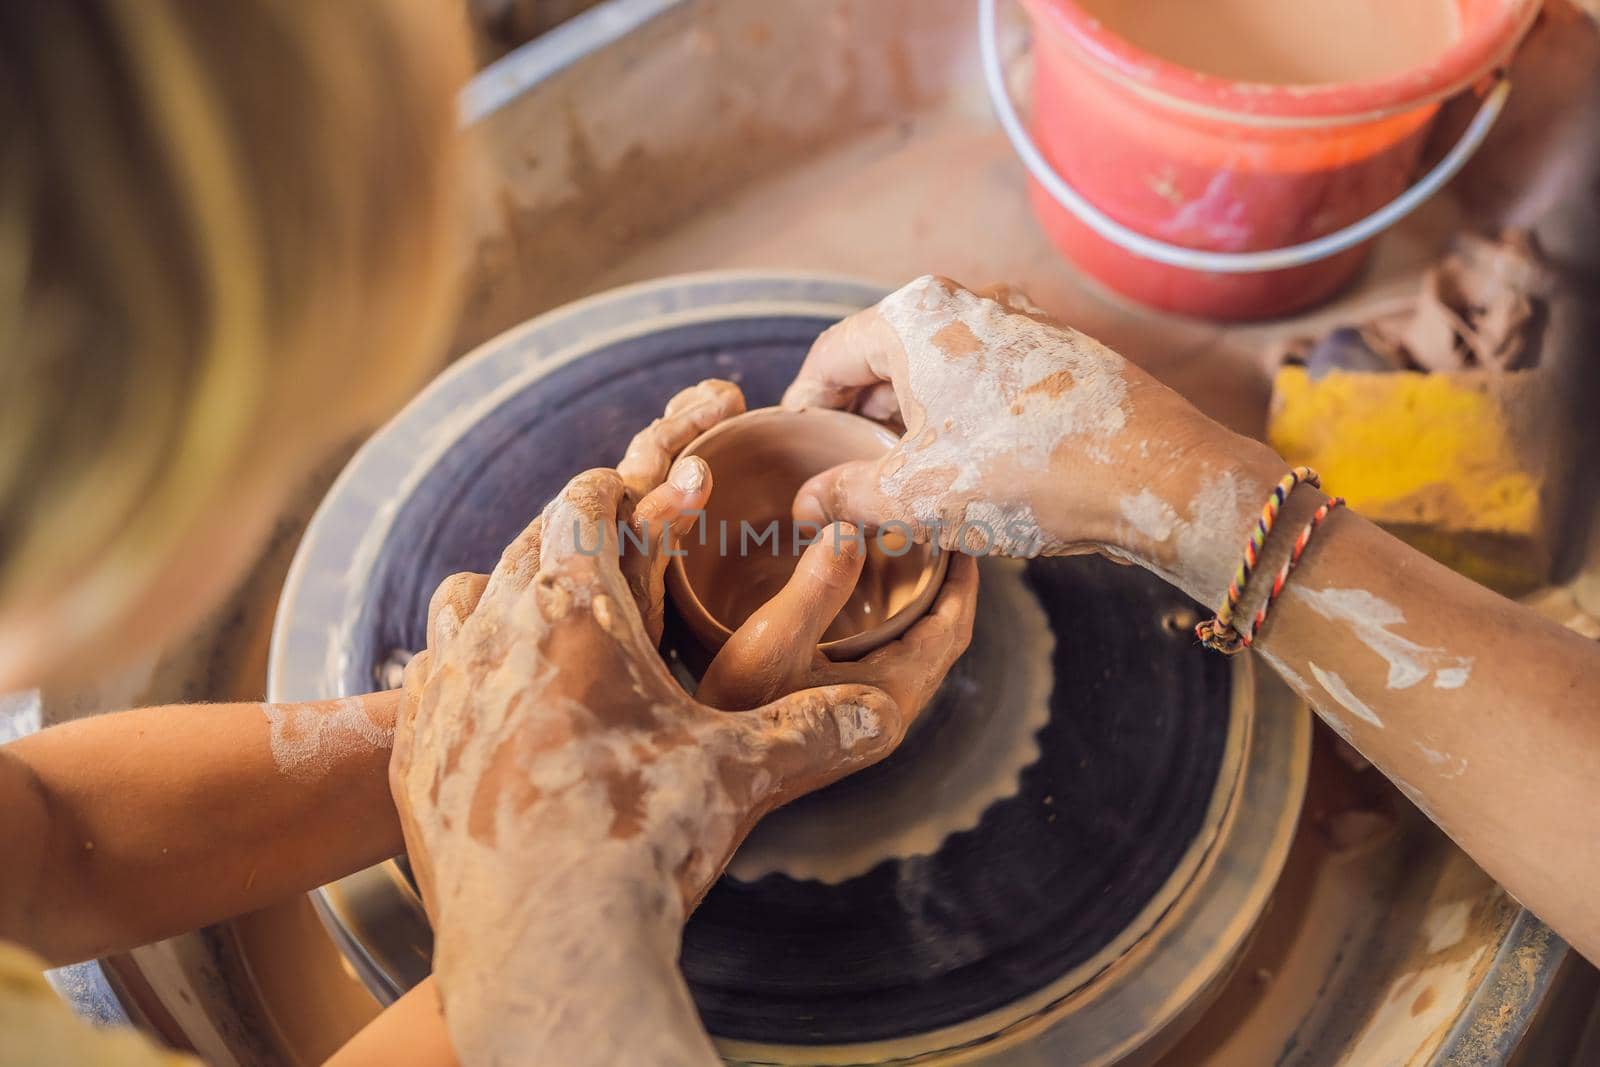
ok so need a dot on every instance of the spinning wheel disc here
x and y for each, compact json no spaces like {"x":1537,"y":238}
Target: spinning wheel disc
{"x":1054,"y":869}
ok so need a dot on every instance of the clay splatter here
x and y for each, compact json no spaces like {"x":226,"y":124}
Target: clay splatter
{"x":1075,"y":378}
{"x":854,"y":723}
{"x":308,"y":739}
{"x":1207,"y":541}
{"x":1446,"y":926}
{"x":1149,"y":515}
{"x":1449,"y":766}
{"x":1370,"y":619}
{"x":1338,"y":690}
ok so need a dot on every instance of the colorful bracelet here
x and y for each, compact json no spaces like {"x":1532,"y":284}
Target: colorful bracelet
{"x":1290,"y":564}
{"x":1219,"y":632}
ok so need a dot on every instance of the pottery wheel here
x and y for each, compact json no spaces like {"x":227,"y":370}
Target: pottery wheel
{"x":1063,"y":791}
{"x":1052,"y":865}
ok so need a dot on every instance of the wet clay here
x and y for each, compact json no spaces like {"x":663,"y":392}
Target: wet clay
{"x":747,"y":547}
{"x":1286,"y":42}
{"x":1483,"y":306}
{"x":733,"y":593}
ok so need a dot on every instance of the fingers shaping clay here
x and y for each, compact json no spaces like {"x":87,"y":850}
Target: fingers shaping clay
{"x":748,"y":546}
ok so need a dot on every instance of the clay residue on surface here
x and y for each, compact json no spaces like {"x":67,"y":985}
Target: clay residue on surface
{"x":957,"y":340}
{"x":1426,"y":1000}
{"x":1376,"y":913}
{"x":309,"y":739}
{"x":1447,"y":958}
{"x":1208,"y":534}
{"x":1482,"y":306}
{"x":554,"y":780}
{"x":575,"y":182}
{"x":1488,"y":1034}
{"x":1286,"y":42}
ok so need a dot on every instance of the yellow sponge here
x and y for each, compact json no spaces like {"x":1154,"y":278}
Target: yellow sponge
{"x":1455,"y":463}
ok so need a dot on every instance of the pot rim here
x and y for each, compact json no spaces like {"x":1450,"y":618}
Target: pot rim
{"x":854,"y":646}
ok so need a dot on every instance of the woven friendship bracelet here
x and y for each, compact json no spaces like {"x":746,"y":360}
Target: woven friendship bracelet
{"x":1290,"y":564}
{"x":1219,"y":633}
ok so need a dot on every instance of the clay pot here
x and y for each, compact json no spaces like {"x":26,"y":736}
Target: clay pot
{"x":758,"y":462}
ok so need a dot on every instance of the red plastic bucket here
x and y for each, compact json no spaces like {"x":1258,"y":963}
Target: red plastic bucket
{"x":1180,"y":160}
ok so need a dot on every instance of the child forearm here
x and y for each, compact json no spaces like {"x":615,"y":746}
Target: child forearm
{"x":127,"y":828}
{"x":408,"y":1033}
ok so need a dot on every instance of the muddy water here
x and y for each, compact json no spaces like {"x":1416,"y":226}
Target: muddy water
{"x":1286,"y":42}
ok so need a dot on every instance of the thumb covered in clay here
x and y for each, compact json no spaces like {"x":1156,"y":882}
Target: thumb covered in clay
{"x":849,"y":493}
{"x":775,"y":650}
{"x":812,"y":738}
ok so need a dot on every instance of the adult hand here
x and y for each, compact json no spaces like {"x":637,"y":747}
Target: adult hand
{"x":1025,"y":437}
{"x":566,"y":803}
{"x":548,"y":696}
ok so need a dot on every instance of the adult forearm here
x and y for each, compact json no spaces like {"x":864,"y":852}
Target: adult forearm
{"x":1484,"y":713}
{"x":578,"y":967}
{"x":150,"y":822}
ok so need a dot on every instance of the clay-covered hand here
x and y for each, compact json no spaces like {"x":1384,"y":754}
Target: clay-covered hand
{"x":659,"y":515}
{"x":776,"y":650}
{"x":662,"y":502}
{"x":1025,"y":437}
{"x":565,"y":802}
